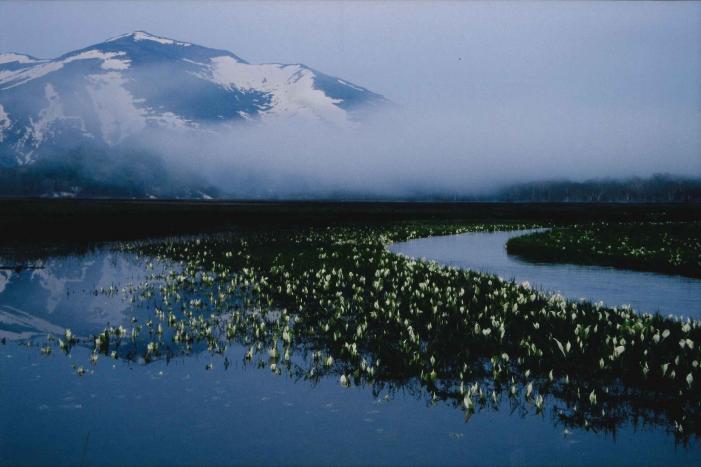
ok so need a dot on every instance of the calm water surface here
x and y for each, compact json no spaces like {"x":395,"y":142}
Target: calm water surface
{"x":486,"y":252}
{"x":177,"y":412}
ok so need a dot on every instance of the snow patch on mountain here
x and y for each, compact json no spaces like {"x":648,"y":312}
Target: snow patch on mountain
{"x":170,"y":120}
{"x":115,"y":107}
{"x":5,"y":123}
{"x":46,"y":126}
{"x":291,"y":88}
{"x":145,"y":36}
{"x":17,"y":58}
{"x":120,"y":114}
{"x":351,"y":85}
{"x":40,"y":129}
{"x":24,"y":75}
{"x":115,"y":64}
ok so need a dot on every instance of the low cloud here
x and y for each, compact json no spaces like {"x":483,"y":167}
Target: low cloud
{"x":404,"y":153}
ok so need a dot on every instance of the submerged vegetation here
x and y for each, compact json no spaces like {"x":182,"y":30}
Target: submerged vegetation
{"x":672,"y":248}
{"x":334,"y":302}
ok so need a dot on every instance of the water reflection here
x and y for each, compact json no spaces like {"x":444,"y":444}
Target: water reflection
{"x":82,"y":293}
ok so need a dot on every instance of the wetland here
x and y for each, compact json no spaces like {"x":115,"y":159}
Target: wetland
{"x":299,"y":343}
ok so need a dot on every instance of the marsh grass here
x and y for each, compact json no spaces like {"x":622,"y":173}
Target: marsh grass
{"x":670,"y":247}
{"x":334,"y":302}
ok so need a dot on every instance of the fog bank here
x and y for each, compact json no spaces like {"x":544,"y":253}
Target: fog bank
{"x":458,"y":152}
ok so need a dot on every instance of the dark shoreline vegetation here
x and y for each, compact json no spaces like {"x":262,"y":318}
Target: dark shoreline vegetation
{"x":78,"y":220}
{"x":669,"y":248}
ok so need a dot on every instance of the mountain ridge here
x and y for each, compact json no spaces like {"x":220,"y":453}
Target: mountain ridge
{"x":104,"y":95}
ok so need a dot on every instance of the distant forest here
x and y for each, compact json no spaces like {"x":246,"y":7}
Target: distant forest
{"x":660,"y":188}
{"x":90,"y":174}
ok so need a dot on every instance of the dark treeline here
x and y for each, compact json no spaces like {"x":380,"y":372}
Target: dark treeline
{"x":33,"y":220}
{"x":88,"y":173}
{"x":656,"y":189}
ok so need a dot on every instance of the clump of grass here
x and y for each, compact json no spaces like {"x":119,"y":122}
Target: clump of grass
{"x":670,"y":248}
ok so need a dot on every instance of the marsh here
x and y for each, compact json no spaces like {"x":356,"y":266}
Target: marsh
{"x":300,"y":344}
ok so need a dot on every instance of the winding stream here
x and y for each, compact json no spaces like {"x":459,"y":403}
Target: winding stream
{"x":486,"y":252}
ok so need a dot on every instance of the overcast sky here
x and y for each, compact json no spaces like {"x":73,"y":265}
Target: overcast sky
{"x":626,"y":70}
{"x":622,"y":53}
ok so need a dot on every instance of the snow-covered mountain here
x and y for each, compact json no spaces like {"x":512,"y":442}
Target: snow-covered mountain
{"x":103,"y":95}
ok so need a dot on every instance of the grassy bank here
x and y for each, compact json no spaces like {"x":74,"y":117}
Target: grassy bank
{"x":670,"y":248}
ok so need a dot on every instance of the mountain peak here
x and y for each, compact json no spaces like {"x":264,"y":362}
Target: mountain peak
{"x":141,"y":35}
{"x":110,"y":93}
